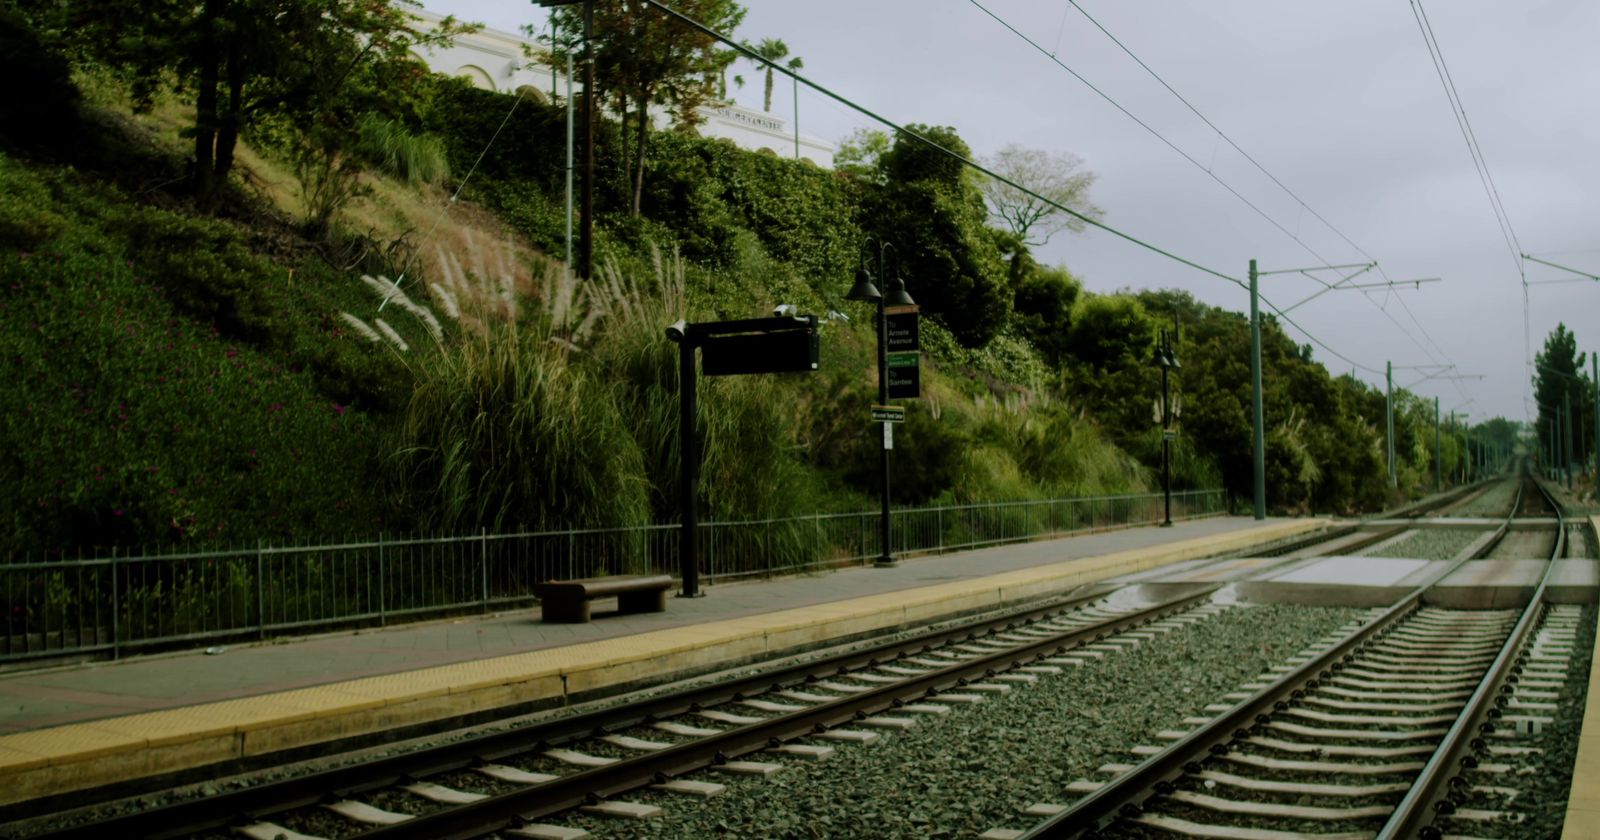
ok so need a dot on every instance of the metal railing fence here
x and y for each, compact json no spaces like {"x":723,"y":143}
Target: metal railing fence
{"x":108,"y":605}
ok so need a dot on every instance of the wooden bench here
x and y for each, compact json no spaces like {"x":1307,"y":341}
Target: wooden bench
{"x":567,"y":601}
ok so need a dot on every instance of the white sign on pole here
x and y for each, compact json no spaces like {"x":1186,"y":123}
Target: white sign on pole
{"x":888,"y":435}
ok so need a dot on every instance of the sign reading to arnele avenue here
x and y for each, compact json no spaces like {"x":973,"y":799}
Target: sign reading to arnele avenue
{"x":903,"y":346}
{"x":903,"y":332}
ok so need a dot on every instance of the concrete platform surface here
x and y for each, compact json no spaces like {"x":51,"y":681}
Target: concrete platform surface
{"x":84,"y":726}
{"x":1583,"y":798}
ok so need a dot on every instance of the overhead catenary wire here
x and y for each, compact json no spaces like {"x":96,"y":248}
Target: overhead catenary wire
{"x":445,"y":210}
{"x":1291,"y":193}
{"x":1147,"y":127}
{"x":965,"y":161}
{"x":1485,"y":178}
{"x":1209,"y":171}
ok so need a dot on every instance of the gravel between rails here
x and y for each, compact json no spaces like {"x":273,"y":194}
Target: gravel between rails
{"x":1494,"y":501}
{"x":978,"y":767}
{"x":1546,"y":780}
{"x":1427,"y":544}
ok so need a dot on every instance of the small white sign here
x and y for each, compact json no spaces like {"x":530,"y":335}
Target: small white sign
{"x":888,"y":435}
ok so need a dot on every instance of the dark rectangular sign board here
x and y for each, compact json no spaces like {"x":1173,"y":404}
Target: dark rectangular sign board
{"x":777,"y":352}
{"x":905,"y":376}
{"x":903,"y":331}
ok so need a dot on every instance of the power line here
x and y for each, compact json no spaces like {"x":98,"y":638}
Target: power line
{"x":863,"y":110}
{"x":1485,"y":178}
{"x":1230,"y":141}
{"x":1281,"y":185}
{"x":1220,"y":133}
{"x":1465,"y":124}
{"x":900,"y":129}
{"x":1146,"y":126}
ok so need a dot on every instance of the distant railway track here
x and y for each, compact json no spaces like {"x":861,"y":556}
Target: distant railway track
{"x":1373,"y":737}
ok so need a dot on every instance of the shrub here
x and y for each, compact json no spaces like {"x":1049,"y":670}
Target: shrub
{"x":414,"y":158}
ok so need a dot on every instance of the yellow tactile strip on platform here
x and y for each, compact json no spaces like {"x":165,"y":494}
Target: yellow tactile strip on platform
{"x":1583,"y":802}
{"x":85,"y":755}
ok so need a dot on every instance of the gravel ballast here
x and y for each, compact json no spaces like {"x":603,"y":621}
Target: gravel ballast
{"x":978,"y":767}
{"x":1426,"y":544}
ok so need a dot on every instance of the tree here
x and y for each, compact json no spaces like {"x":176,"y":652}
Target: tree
{"x":643,"y":58}
{"x":245,"y":60}
{"x":1557,"y":380}
{"x":858,"y":154}
{"x":929,"y":209}
{"x":772,"y":51}
{"x":1058,"y":177}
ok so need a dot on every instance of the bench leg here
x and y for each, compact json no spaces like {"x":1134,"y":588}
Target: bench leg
{"x":654,"y":600}
{"x":558,"y":611}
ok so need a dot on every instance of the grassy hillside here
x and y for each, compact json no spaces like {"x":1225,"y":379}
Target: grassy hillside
{"x":182,"y":379}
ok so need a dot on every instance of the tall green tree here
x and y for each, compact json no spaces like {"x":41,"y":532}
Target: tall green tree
{"x":241,"y":61}
{"x":1557,"y":379}
{"x":930,"y":210}
{"x":644,"y":59}
{"x":772,"y":50}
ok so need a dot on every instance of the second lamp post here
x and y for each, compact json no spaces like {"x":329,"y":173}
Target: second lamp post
{"x":894,"y":295}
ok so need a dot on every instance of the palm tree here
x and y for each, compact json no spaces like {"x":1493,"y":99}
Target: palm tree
{"x":772,"y":50}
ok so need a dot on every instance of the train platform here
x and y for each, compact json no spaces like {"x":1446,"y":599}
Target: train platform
{"x":84,"y":726}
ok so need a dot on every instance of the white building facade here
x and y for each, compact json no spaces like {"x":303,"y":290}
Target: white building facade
{"x":500,"y":61}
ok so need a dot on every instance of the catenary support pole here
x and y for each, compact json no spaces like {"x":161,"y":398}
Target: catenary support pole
{"x":1388,"y":411}
{"x":1594,"y":374}
{"x":1438,"y":475}
{"x":586,"y":234}
{"x":1566,"y":401}
{"x":1256,"y":419}
{"x":569,"y":160}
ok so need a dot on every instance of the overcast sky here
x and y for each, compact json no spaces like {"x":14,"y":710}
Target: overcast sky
{"x":1339,"y":101}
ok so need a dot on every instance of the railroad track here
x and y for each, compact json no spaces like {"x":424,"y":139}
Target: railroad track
{"x":584,"y":761}
{"x":1397,"y":731}
{"x":513,"y":781}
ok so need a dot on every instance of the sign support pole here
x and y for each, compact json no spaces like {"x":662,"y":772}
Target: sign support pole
{"x":886,"y":558}
{"x":1256,"y":420}
{"x":688,"y":473}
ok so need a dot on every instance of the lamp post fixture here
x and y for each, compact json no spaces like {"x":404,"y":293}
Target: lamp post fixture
{"x":894,"y":295}
{"x":1168,"y":362}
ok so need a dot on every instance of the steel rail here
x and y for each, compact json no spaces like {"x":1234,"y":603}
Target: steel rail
{"x":274,"y":797}
{"x":1436,"y":791}
{"x":530,"y":804}
{"x":180,"y":818}
{"x":1158,"y":773}
{"x":257,"y":801}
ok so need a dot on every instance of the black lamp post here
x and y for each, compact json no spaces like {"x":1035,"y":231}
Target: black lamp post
{"x":865,"y":290}
{"x":1168,"y":362}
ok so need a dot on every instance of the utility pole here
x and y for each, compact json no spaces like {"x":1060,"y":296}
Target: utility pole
{"x":1388,"y":404}
{"x":1439,"y":476}
{"x":1256,"y":420}
{"x":1594,"y":373}
{"x":586,"y":235}
{"x":1343,"y":283}
{"x":1566,"y":399}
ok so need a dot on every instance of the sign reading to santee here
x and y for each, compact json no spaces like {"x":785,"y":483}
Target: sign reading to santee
{"x":905,"y":376}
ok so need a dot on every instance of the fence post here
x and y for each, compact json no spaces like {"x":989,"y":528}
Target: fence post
{"x":116,"y":610}
{"x":939,"y":525}
{"x":483,"y":563}
{"x":261,"y":595}
{"x":383,"y":586}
